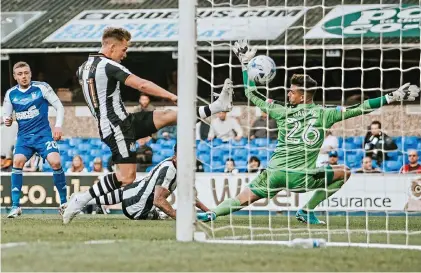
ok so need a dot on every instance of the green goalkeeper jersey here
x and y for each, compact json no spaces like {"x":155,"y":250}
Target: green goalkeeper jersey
{"x":301,"y":128}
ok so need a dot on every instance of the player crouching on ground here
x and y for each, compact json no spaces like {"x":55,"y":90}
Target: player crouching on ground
{"x":143,"y":199}
{"x":301,"y":130}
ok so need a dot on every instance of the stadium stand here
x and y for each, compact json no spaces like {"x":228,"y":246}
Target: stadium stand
{"x":214,"y":159}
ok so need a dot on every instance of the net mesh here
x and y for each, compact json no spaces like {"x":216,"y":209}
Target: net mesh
{"x":356,"y":50}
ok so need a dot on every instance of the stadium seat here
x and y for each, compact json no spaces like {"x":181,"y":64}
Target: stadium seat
{"x":155,"y":147}
{"x":240,"y":154}
{"x":392,"y":166}
{"x":105,"y":159}
{"x":261,"y":142}
{"x":216,"y":154}
{"x":272,"y":146}
{"x":216,"y":142}
{"x":84,"y":148}
{"x":148,"y":169}
{"x":67,"y":165}
{"x":340,"y":154}
{"x":349,"y":146}
{"x":358,"y":142}
{"x":341,"y":142}
{"x":264,"y":163}
{"x":393,"y":155}
{"x":167,"y":152}
{"x":241,"y":165}
{"x":352,"y":161}
{"x":96,"y":153}
{"x":206,"y":168}
{"x":218,"y":166}
{"x":205,"y":158}
{"x":75,"y":141}
{"x":203,"y":147}
{"x":86,"y":159}
{"x":63,"y":147}
{"x":95,"y":142}
{"x":410,"y":142}
{"x":156,"y":158}
{"x":241,"y":142}
{"x":72,"y":152}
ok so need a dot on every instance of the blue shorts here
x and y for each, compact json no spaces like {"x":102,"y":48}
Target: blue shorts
{"x":28,"y":145}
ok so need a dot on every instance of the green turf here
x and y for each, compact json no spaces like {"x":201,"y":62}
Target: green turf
{"x":151,"y":245}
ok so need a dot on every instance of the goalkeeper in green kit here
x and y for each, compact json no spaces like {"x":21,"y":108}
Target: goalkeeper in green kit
{"x":301,"y":130}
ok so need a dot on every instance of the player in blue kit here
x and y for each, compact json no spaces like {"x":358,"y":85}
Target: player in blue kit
{"x":30,"y":100}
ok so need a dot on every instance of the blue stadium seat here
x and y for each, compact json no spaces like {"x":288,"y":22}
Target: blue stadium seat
{"x":167,"y":152}
{"x":105,"y":159}
{"x":169,"y":144}
{"x":352,"y":161}
{"x":240,"y":154}
{"x":96,"y":153}
{"x":341,"y":142}
{"x":72,"y":152}
{"x":393,"y":155}
{"x":203,"y":147}
{"x":86,"y":159}
{"x":206,"y":168}
{"x":241,"y":165}
{"x":216,"y":154}
{"x":155,"y":147}
{"x":75,"y":141}
{"x":261,"y":142}
{"x":272,"y":146}
{"x":393,"y":166}
{"x":218,"y":166}
{"x":241,"y":142}
{"x":264,"y":163}
{"x":349,"y":146}
{"x":156,"y":158}
{"x":216,"y":142}
{"x":63,"y":147}
{"x":340,"y":154}
{"x":84,"y":147}
{"x":205,"y":158}
{"x":148,"y":169}
{"x":67,"y":165}
{"x":95,"y":142}
{"x":410,"y":142}
{"x":358,"y":142}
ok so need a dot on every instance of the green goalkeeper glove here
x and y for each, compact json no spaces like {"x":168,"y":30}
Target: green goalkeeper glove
{"x":406,"y":92}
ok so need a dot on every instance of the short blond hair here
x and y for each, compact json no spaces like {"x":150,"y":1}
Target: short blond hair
{"x":19,"y":65}
{"x":119,"y":34}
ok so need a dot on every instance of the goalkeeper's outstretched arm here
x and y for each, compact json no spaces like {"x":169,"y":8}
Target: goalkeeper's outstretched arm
{"x":404,"y":93}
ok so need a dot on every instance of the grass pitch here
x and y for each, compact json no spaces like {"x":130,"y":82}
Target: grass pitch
{"x":114,"y":244}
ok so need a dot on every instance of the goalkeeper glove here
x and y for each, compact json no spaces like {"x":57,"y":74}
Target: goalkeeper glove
{"x":405,"y":93}
{"x":243,"y":51}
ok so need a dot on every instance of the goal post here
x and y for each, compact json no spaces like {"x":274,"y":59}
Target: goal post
{"x":319,"y":39}
{"x":187,"y":89}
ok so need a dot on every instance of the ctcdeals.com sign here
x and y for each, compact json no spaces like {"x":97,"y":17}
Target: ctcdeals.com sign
{"x":363,"y":192}
{"x":213,"y":24}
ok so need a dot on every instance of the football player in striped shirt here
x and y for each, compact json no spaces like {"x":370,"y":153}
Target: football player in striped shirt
{"x":144,"y":199}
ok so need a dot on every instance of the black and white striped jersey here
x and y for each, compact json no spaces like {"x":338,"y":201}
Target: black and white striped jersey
{"x":100,"y":78}
{"x":138,"y":196}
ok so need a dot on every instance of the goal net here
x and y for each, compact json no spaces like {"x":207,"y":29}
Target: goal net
{"x":355,"y":50}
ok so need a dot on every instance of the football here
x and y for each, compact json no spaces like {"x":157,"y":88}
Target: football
{"x":261,"y":69}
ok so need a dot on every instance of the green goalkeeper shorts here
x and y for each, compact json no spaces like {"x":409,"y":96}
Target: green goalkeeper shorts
{"x":268,"y":183}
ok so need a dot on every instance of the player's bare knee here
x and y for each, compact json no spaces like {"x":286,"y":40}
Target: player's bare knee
{"x":55,"y":165}
{"x":19,"y":161}
{"x":347,"y":173}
